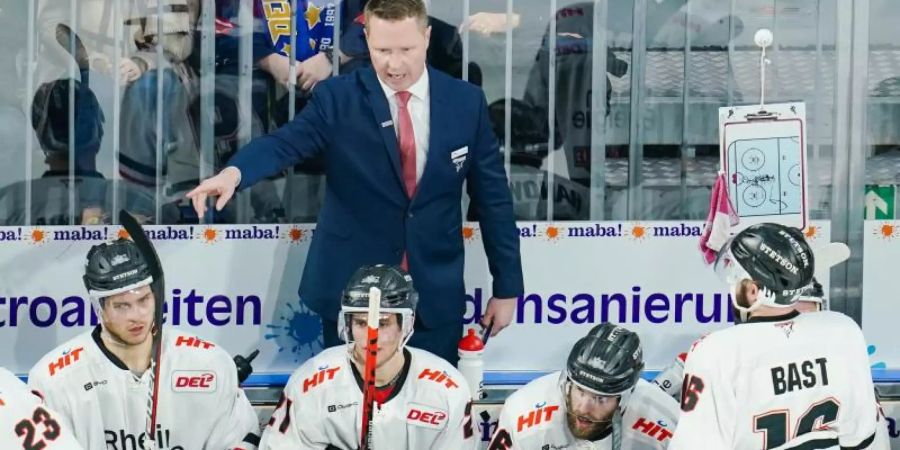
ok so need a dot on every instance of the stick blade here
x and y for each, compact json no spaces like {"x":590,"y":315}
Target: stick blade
{"x":830,"y":255}
{"x":140,"y":239}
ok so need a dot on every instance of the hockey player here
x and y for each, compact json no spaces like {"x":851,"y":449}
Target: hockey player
{"x":780,"y":380}
{"x":598,"y":402}
{"x":669,"y":380}
{"x":422,"y":401}
{"x":25,"y":422}
{"x":98,"y":381}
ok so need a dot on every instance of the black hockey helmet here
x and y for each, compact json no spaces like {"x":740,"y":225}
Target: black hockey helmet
{"x":114,"y":267}
{"x":608,"y":361}
{"x":775,"y":257}
{"x":397,"y":291}
{"x":814,"y":293}
{"x":398,"y":295}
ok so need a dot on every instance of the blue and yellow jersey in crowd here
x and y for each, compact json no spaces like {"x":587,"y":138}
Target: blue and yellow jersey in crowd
{"x":315,"y":25}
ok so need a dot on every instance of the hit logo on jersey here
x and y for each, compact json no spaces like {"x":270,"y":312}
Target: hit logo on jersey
{"x":193,"y":342}
{"x":653,"y":429}
{"x":324,"y":374}
{"x":69,"y":357}
{"x":439,"y":376}
{"x":542,"y":413}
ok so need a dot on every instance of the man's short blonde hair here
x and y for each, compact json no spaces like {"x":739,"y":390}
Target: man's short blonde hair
{"x":397,"y":10}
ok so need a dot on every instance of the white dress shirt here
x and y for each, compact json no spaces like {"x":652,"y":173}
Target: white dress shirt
{"x":419,"y":111}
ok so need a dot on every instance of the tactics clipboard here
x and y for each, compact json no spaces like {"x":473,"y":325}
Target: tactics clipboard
{"x":763,"y":156}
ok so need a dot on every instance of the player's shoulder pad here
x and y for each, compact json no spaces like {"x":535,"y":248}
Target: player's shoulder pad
{"x":841,"y":325}
{"x":320,"y":371}
{"x":186,"y":345}
{"x":710,"y":347}
{"x":541,"y":397}
{"x":652,"y":415}
{"x":715,"y":339}
{"x":63,"y":359}
{"x":10,"y":383}
{"x":536,"y":391}
{"x":436,"y":373}
{"x":653,"y":398}
{"x":7,"y":377}
{"x":837,"y":318}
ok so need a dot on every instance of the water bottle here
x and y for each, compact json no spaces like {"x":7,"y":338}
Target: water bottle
{"x":471,"y":348}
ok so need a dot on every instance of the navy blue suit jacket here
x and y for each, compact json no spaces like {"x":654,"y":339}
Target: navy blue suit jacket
{"x":367,"y":217}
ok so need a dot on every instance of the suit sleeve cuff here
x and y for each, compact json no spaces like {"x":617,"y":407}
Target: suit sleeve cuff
{"x":507,"y":290}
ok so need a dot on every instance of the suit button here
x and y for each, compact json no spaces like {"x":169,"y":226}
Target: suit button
{"x":410,"y":215}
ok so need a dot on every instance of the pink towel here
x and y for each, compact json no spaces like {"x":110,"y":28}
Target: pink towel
{"x":719,"y":221}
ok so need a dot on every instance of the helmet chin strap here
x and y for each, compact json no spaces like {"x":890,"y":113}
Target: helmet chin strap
{"x":586,"y":419}
{"x":743,"y":310}
{"x":623,"y":402}
{"x":356,"y":358}
{"x":765,"y":297}
{"x":736,"y":286}
{"x":614,"y":421}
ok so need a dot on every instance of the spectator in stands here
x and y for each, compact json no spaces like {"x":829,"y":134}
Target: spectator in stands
{"x":70,"y":168}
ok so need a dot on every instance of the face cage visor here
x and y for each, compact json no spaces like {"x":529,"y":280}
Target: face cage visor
{"x":97,"y":297}
{"x":345,"y":323}
{"x":565,"y":384}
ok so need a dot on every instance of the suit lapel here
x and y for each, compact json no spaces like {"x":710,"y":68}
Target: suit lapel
{"x":440,"y":124}
{"x":382,"y":114}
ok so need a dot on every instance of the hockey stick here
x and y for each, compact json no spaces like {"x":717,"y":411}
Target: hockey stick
{"x":368,"y":415}
{"x":829,"y":255}
{"x":136,"y":231}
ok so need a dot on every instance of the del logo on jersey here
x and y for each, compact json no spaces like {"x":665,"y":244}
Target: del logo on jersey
{"x":196,"y":381}
{"x":426,"y":416}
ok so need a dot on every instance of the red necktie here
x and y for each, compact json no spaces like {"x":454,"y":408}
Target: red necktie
{"x":407,"y":143}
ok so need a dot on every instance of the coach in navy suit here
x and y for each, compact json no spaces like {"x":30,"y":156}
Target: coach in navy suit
{"x":399,"y":140}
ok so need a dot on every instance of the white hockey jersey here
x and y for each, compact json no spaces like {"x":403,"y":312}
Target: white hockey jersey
{"x":670,"y":378}
{"x":322,"y":407}
{"x":200,"y":407}
{"x":788,"y":382}
{"x":26,"y":423}
{"x":534,"y":418}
